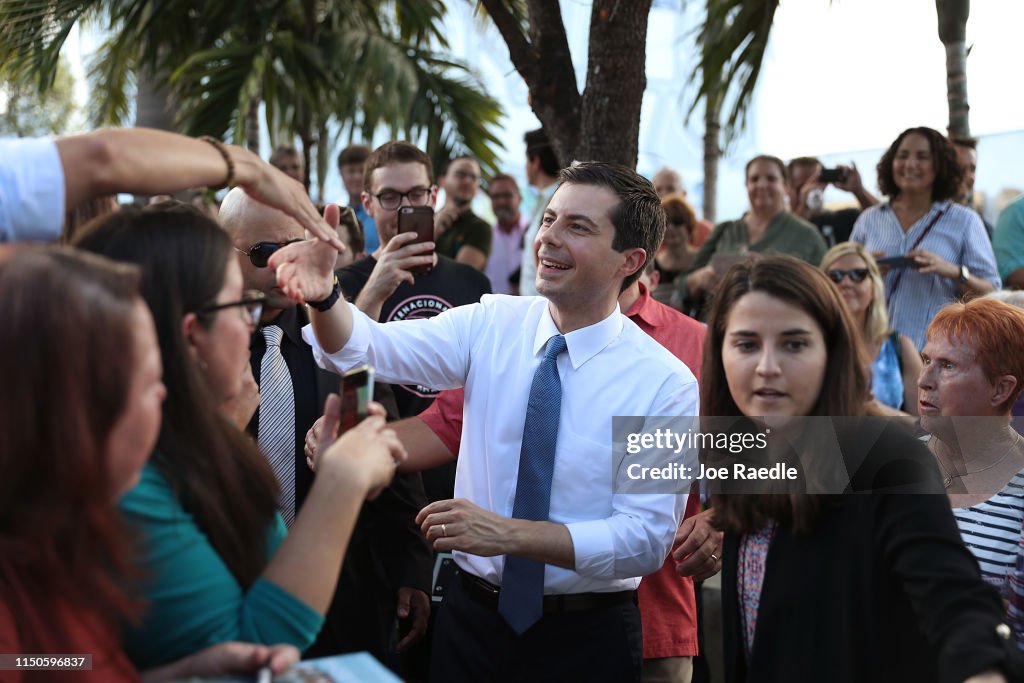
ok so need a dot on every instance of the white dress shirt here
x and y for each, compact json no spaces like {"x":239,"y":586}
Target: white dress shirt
{"x":611,"y":368}
{"x":31,"y":190}
{"x":506,"y":254}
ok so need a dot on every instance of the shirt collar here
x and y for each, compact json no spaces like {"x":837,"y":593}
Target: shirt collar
{"x":643,"y":309}
{"x":582,"y":344}
{"x":290,"y":321}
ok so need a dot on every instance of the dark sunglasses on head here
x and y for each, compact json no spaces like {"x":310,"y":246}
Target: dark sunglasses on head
{"x":855,"y":274}
{"x":260,"y":252}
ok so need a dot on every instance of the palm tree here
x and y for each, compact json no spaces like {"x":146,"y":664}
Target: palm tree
{"x":952,"y":16}
{"x":315,"y":66}
{"x":733,"y":40}
{"x":602,"y":122}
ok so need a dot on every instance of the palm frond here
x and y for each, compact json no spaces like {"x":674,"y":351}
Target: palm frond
{"x":733,"y":40}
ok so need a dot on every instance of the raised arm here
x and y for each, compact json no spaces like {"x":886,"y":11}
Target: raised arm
{"x":147,"y":161}
{"x":305,"y":273}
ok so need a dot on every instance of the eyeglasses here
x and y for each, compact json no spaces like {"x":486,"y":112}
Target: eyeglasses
{"x":392,"y":199}
{"x":855,"y":274}
{"x":251,"y":305}
{"x":465,"y":175}
{"x":261,"y":252}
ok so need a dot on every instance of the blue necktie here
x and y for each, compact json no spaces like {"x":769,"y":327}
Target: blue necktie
{"x":521,"y":600}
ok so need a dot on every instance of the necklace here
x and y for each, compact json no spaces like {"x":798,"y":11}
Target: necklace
{"x":947,"y":479}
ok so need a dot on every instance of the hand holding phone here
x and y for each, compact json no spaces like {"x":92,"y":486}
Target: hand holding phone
{"x":356,"y":394}
{"x":898,"y":262}
{"x":418,"y":219}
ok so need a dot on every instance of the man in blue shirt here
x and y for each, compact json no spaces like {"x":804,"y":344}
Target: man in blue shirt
{"x":351,"y":163}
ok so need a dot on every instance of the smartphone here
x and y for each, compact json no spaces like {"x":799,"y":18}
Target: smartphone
{"x":831,"y":175}
{"x":898,"y":262}
{"x":356,"y":394}
{"x":418,"y":219}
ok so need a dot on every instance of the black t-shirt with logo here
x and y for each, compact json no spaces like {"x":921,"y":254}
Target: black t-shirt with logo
{"x":448,"y":285}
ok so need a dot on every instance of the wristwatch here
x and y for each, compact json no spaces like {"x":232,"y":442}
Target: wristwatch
{"x":332,"y":298}
{"x":965,"y":274}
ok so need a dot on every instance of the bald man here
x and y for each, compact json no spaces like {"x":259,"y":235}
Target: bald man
{"x":388,"y":565}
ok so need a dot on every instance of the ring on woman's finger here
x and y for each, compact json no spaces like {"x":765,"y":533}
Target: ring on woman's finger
{"x":444,"y":530}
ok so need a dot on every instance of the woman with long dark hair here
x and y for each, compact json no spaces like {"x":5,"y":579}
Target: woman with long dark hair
{"x":217,"y":562}
{"x":76,"y":427}
{"x":861,"y":587}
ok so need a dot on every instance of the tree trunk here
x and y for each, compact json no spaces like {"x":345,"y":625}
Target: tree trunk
{"x":712,"y":155}
{"x":952,"y":16}
{"x":252,"y":126}
{"x":155,"y":108}
{"x":616,"y":80}
{"x":544,"y":62}
{"x":324,"y":148}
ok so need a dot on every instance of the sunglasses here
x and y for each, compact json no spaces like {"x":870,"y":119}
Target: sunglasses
{"x":855,"y":274}
{"x":261,"y":252}
{"x":251,"y":305}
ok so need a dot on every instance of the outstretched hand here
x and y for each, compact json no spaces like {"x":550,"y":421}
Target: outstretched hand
{"x":274,"y":188}
{"x":305,"y":270}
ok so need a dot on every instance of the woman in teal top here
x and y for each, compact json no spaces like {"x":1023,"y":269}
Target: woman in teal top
{"x":766,"y":228}
{"x":216,"y":564}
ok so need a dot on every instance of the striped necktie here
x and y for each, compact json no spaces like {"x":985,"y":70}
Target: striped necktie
{"x":521,"y":601}
{"x":276,"y":428}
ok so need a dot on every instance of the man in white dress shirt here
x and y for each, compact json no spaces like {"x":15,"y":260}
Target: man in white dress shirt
{"x":599,"y":228}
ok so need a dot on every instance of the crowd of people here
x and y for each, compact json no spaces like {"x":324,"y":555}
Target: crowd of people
{"x":178,"y":496}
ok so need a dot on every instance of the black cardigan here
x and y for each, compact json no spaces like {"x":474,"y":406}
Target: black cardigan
{"x":882,"y":589}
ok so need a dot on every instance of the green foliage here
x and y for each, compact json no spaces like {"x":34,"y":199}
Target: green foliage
{"x":358,"y":65}
{"x":25,"y":112}
{"x":733,"y":40}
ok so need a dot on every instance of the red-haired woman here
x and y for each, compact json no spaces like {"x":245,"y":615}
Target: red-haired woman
{"x":79,"y":413}
{"x":973,"y":373}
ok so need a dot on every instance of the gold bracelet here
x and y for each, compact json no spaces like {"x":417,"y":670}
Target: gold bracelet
{"x":219,"y":146}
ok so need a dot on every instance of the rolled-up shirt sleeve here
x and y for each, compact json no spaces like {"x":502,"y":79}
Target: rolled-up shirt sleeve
{"x":31,"y":190}
{"x":637,"y":537}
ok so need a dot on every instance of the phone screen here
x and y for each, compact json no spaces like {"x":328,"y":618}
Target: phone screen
{"x":418,"y":219}
{"x":356,"y":394}
{"x":898,"y":262}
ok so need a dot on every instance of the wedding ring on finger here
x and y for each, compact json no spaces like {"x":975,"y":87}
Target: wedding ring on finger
{"x":444,"y":530}
{"x":714,"y":557}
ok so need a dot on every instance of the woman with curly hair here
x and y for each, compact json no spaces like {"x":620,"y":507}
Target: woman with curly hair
{"x":948,"y":253}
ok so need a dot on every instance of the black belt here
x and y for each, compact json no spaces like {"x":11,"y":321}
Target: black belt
{"x":487,"y":593}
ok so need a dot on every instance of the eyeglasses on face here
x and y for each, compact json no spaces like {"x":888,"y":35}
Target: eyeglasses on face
{"x":261,"y":252}
{"x":251,"y":305}
{"x":465,"y":175}
{"x":391,"y":199}
{"x":855,"y":274}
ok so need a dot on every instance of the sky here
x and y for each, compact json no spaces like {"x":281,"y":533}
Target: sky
{"x":840,"y":80}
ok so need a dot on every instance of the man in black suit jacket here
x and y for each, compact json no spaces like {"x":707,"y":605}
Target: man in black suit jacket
{"x":388,"y":563}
